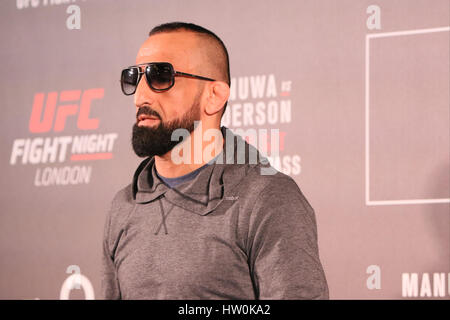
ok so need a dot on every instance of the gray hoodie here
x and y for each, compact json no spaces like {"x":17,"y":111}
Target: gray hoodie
{"x":232,"y":232}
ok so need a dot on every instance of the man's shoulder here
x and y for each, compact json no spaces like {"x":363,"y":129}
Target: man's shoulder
{"x":123,"y":196}
{"x":260,"y":185}
{"x":121,"y":205}
{"x":272,"y":202}
{"x":263,"y":179}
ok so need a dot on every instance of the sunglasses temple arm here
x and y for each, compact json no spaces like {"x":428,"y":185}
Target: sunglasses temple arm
{"x":192,"y":76}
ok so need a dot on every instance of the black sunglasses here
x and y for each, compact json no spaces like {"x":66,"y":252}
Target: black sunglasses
{"x":160,"y":76}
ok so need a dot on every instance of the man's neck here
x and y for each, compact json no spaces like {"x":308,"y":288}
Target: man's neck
{"x":166,"y":166}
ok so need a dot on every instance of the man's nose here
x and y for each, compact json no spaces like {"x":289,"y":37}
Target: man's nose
{"x":143,"y":94}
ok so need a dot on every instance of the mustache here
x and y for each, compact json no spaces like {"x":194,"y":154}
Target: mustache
{"x":147,"y":111}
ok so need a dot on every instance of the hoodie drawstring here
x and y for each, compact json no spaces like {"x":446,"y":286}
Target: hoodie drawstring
{"x":163,"y":217}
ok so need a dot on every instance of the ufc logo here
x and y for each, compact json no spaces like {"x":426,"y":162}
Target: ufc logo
{"x":42,"y":119}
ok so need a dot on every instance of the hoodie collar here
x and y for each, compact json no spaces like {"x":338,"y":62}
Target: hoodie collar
{"x":207,"y":190}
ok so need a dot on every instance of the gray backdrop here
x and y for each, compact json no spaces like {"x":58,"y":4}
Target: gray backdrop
{"x":360,"y":96}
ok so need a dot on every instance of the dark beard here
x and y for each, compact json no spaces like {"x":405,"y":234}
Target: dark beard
{"x":156,"y":140}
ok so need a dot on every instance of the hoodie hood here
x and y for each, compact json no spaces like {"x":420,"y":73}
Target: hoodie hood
{"x":208,"y":189}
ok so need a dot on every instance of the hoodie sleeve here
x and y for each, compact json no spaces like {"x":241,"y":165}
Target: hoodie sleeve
{"x":283,"y":252}
{"x":110,"y":284}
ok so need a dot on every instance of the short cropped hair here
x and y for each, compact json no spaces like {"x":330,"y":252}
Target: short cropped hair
{"x":176,"y":26}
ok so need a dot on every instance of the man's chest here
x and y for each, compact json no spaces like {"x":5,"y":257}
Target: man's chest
{"x":166,"y":252}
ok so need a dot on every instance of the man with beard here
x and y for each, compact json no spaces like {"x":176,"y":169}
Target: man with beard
{"x":219,"y":226}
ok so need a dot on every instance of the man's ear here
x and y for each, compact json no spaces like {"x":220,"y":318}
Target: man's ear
{"x":217,"y":94}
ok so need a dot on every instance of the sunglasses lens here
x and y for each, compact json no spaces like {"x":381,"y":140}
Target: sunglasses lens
{"x":160,"y":76}
{"x":129,"y":80}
